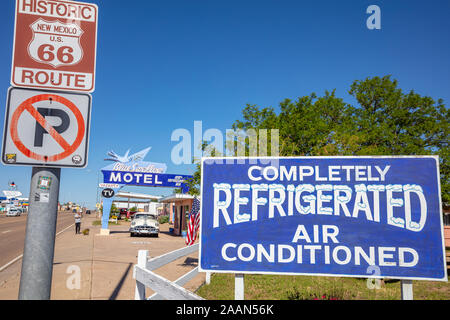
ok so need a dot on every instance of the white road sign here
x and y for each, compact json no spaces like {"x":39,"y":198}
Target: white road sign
{"x":44,"y":128}
{"x":108,"y":185}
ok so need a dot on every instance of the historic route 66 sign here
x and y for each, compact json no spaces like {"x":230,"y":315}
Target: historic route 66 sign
{"x":56,"y":43}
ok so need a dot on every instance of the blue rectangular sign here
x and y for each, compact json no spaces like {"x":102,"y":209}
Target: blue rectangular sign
{"x":339,"y":216}
{"x":145,"y":179}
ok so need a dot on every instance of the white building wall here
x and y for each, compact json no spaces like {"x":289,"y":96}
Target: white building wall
{"x":147,"y":207}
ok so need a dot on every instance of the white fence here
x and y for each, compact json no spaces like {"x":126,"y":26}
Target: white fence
{"x":164,"y":289}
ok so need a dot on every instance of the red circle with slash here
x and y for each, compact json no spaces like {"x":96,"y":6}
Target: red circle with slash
{"x":27,"y":105}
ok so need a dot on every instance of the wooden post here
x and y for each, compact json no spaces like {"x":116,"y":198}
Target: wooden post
{"x":208,"y":278}
{"x":238,"y":286}
{"x":407,"y":290}
{"x":139,"y":293}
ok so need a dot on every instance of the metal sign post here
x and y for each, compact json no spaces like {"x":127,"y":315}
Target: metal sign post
{"x":37,"y":264}
{"x":239,"y":286}
{"x":407,"y":290}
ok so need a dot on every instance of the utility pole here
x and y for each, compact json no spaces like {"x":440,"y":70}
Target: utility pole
{"x":37,"y":263}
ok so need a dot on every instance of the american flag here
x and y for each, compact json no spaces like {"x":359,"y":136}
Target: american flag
{"x":194,"y":223}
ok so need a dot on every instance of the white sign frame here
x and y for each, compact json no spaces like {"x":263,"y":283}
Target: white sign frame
{"x":81,"y":101}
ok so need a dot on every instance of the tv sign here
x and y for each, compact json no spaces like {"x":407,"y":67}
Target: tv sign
{"x":330,"y":216}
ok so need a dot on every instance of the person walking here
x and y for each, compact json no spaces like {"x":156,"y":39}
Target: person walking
{"x":77,"y":222}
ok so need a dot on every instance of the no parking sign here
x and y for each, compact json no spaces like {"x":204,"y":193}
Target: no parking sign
{"x":46,"y":128}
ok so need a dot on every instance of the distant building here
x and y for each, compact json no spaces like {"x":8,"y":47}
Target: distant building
{"x":180,"y":206}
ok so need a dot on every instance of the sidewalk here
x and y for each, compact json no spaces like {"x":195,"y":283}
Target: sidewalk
{"x":105,"y":263}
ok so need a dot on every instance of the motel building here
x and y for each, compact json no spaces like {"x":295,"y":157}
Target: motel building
{"x":178,"y":206}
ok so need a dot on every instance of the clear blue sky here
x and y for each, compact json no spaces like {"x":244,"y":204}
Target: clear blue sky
{"x":161,"y":65}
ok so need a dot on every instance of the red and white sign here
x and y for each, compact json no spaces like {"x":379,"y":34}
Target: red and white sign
{"x":46,"y":128}
{"x":55,"y":45}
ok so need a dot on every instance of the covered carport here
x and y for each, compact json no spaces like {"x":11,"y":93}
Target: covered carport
{"x":143,"y":202}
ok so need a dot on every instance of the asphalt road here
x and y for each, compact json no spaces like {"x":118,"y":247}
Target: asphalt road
{"x":12,"y":234}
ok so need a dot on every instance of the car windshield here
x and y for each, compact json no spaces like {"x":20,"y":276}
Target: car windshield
{"x":143,"y":216}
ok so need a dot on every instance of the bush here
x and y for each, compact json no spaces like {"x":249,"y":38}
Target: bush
{"x":163,"y":219}
{"x":99,"y":223}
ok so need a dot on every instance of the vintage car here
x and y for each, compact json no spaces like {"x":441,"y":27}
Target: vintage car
{"x":144,"y":223}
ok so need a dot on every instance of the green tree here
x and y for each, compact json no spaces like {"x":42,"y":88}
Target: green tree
{"x":114,"y":209}
{"x":195,"y":181}
{"x":385,"y":121}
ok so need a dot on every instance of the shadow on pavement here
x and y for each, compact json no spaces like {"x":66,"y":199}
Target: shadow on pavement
{"x":169,"y":233}
{"x":120,"y":284}
{"x":193,"y":262}
{"x":111,"y":232}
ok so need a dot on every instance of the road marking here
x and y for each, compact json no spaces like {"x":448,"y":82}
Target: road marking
{"x":11,"y":262}
{"x":7,"y":231}
{"x":20,"y":257}
{"x":66,"y":228}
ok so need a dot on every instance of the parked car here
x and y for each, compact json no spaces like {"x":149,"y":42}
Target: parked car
{"x":123,"y":213}
{"x":145,"y":223}
{"x":14,"y":212}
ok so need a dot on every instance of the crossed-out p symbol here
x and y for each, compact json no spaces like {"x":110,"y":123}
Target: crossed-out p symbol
{"x":43,"y":127}
{"x":47,"y":112}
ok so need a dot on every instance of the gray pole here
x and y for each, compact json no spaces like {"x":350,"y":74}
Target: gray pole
{"x":407,"y":290}
{"x":37,"y":263}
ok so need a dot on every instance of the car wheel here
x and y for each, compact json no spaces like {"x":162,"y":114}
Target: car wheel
{"x":131,"y":234}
